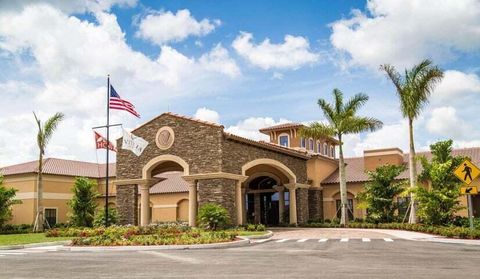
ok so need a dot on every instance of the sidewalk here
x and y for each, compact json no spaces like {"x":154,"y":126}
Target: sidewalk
{"x":416,"y":236}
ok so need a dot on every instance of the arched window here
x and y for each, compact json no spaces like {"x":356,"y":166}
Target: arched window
{"x":319,"y":147}
{"x":310,"y":144}
{"x":284,"y":140}
{"x":325,"y":149}
{"x":303,"y":144}
{"x":332,"y":151}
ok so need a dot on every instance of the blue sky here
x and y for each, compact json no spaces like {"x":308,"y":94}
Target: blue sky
{"x":244,"y":64}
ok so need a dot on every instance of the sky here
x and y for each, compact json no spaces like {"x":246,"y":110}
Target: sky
{"x":243,"y":64}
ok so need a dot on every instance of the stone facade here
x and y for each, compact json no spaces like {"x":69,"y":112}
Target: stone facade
{"x":315,"y":204}
{"x":302,"y":205}
{"x":220,"y":191}
{"x":127,"y":204}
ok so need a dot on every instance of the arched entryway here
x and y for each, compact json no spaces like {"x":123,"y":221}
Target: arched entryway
{"x":268,"y":193}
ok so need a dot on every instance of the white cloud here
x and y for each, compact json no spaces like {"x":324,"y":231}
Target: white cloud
{"x":249,"y":128}
{"x":293,"y":53}
{"x":445,"y":122}
{"x":163,"y":27}
{"x":206,"y":114}
{"x":218,"y":60}
{"x":277,"y":75}
{"x":70,"y":6}
{"x":456,"y":85}
{"x":403,"y":32}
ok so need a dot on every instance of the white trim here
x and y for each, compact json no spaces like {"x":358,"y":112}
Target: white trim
{"x":165,"y":206}
{"x":311,"y":144}
{"x":148,"y":167}
{"x":47,"y":195}
{"x":319,"y":147}
{"x":325,"y":149}
{"x":282,"y":135}
{"x":274,"y":163}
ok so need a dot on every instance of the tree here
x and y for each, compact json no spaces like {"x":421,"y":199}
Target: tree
{"x":45,"y":133}
{"x":413,"y":90}
{"x":379,"y":194}
{"x":342,"y":120}
{"x":100,"y":218}
{"x":84,"y":202}
{"x":7,"y":199}
{"x":438,"y":202}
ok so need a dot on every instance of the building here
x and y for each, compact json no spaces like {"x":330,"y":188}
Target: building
{"x":190,"y":162}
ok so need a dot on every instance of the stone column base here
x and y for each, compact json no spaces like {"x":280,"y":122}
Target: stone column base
{"x":315,"y":204}
{"x":302,"y":205}
{"x":220,"y":191}
{"x":127,"y":204}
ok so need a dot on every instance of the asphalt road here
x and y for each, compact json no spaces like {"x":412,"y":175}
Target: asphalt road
{"x":332,"y":258}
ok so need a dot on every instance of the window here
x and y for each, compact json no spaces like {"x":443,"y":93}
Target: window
{"x":325,"y":149}
{"x":284,"y":140}
{"x":310,"y":143}
{"x":319,"y":147}
{"x":51,"y":216}
{"x":349,"y":209}
{"x":302,"y":143}
{"x":332,"y":151}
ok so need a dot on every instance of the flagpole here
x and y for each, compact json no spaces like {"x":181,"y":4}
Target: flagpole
{"x":108,"y":142}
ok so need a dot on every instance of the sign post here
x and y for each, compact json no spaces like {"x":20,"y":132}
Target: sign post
{"x":467,"y":172}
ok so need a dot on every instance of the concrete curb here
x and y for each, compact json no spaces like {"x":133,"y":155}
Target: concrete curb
{"x":269,"y":234}
{"x":33,"y":245}
{"x":238,"y":243}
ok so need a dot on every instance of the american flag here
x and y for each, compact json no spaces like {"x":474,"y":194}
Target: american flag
{"x":118,"y":103}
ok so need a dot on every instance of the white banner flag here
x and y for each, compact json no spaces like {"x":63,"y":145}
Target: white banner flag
{"x":133,"y":143}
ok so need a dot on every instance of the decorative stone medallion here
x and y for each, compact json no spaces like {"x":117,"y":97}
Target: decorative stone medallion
{"x":165,"y":138}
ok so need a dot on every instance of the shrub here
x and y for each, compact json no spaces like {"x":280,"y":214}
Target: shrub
{"x":99,"y":220}
{"x":84,"y":202}
{"x":16,"y":229}
{"x":7,"y":199}
{"x":212,"y":216}
{"x":255,"y":227}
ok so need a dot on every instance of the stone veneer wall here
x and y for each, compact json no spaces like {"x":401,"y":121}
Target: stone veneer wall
{"x":236,"y":154}
{"x":315,"y":204}
{"x":220,"y":191}
{"x":127,"y":204}
{"x":302,"y":205}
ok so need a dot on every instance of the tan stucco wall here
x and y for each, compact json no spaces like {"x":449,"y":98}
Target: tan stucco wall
{"x":23,"y":213}
{"x":331,"y":192}
{"x":319,"y":169}
{"x":165,"y":207}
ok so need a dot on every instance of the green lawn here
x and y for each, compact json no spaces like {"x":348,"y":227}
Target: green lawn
{"x":249,"y":233}
{"x":26,"y":238}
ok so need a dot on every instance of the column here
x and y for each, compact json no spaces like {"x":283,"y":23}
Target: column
{"x":192,"y":203}
{"x":145,"y":201}
{"x":239,"y":202}
{"x":256,"y":207}
{"x":293,"y":203}
{"x":281,"y":205}
{"x":244,"y":202}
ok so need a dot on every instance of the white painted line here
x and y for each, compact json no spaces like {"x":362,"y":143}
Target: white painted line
{"x":261,"y":240}
{"x":388,"y":239}
{"x":282,"y":240}
{"x":2,"y":255}
{"x":172,"y":257}
{"x":344,"y":240}
{"x":366,"y":239}
{"x":11,"y":253}
{"x":302,"y":240}
{"x":323,"y":240}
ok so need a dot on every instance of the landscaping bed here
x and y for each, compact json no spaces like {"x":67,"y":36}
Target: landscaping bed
{"x":451,"y":232}
{"x":139,"y":236}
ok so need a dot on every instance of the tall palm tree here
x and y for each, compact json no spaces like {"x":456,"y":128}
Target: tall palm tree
{"x":44,"y":135}
{"x":342,"y":120}
{"x":413,"y":90}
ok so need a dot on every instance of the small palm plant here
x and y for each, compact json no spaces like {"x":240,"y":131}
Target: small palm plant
{"x":413,"y":90}
{"x":44,"y":135}
{"x":342,"y":120}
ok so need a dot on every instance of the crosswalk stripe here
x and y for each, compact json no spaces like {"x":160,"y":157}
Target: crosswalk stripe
{"x":261,"y":240}
{"x":344,"y":240}
{"x":282,"y":240}
{"x":323,"y":240}
{"x":366,"y":239}
{"x":388,"y":239}
{"x":302,"y":240}
{"x":11,"y":253}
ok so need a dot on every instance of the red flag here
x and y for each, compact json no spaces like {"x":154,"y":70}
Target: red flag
{"x":102,"y":143}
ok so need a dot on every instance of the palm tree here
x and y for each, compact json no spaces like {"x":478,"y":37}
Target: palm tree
{"x":413,"y":90}
{"x":44,"y":135}
{"x":342,"y":120}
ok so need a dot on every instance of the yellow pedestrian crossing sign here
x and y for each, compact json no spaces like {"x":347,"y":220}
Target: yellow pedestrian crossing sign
{"x":469,"y":190}
{"x":467,"y":172}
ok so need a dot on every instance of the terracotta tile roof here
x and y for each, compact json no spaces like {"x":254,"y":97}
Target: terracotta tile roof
{"x":355,"y":168}
{"x":268,"y":145}
{"x":61,"y":167}
{"x":172,"y":183}
{"x":281,"y":126}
